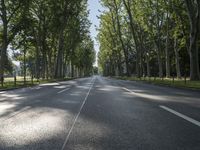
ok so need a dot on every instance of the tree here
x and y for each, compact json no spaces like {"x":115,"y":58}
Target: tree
{"x":150,"y":29}
{"x":193,"y":9}
{"x":11,"y":21}
{"x":47,"y":36}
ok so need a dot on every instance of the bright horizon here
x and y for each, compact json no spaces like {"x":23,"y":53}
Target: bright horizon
{"x":94,"y":6}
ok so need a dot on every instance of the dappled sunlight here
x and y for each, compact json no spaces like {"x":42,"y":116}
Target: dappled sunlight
{"x":49,"y":84}
{"x":75,"y":94}
{"x":11,"y":96}
{"x":102,"y":130}
{"x":138,"y":91}
{"x":37,"y":87}
{"x":147,"y":96}
{"x":68,"y":82}
{"x":98,"y":86}
{"x":162,"y":97}
{"x":6,"y":106}
{"x":14,"y":102}
{"x":153,"y":93}
{"x":61,"y":86}
{"x":88,"y":83}
{"x":87,"y":133}
{"x":108,"y":88}
{"x":33,"y":126}
{"x":8,"y":103}
{"x":2,"y":99}
{"x":70,"y":102}
{"x":83,"y":87}
{"x":39,"y":115}
{"x":2,"y":92}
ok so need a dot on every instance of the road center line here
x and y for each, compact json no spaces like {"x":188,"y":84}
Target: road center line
{"x":180,"y":115}
{"x":63,"y":90}
{"x":77,"y":116}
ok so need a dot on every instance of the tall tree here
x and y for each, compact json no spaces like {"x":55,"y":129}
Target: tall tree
{"x":193,"y":9}
{"x":11,"y":22}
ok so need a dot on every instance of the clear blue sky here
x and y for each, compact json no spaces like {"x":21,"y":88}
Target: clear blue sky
{"x":94,"y":6}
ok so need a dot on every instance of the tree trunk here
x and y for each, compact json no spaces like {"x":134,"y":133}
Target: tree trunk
{"x":59,"y":62}
{"x":167,"y":57}
{"x":4,"y":41}
{"x":37,"y":62}
{"x":72,"y":70}
{"x":194,"y":59}
{"x":121,"y":40}
{"x":138,"y":59}
{"x":160,"y":65}
{"x":3,"y":56}
{"x":24,"y":65}
{"x":193,"y":9}
{"x":158,"y":39}
{"x":178,"y":72}
{"x":148,"y":65}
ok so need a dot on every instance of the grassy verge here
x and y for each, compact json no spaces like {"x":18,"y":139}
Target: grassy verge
{"x":181,"y":83}
{"x":10,"y":84}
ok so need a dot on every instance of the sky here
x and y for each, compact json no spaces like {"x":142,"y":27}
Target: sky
{"x":94,"y":7}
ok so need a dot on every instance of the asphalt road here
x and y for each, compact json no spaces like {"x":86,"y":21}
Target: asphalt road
{"x":99,"y":113}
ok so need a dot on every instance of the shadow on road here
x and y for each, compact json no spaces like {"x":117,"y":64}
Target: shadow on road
{"x":112,"y":119}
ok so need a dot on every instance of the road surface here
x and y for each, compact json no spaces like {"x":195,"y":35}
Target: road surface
{"x":99,"y":113}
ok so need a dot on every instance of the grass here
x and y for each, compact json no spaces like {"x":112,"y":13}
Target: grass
{"x":176,"y":82}
{"x":10,"y":84}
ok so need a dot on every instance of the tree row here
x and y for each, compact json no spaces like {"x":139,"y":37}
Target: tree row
{"x":150,"y":38}
{"x":49,"y":37}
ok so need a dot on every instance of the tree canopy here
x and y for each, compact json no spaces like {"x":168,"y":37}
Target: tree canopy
{"x":150,"y":38}
{"x":50,"y":38}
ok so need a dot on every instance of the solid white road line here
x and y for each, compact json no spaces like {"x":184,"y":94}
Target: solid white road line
{"x":77,"y":116}
{"x":128,"y":90}
{"x":143,"y":95}
{"x":63,"y":90}
{"x":181,"y":115}
{"x":172,"y":111}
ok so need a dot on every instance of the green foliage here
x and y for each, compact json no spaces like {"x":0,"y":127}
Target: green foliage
{"x":48,"y":36}
{"x":158,"y":35}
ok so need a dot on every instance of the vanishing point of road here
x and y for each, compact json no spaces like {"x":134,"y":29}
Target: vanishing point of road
{"x":99,"y":113}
